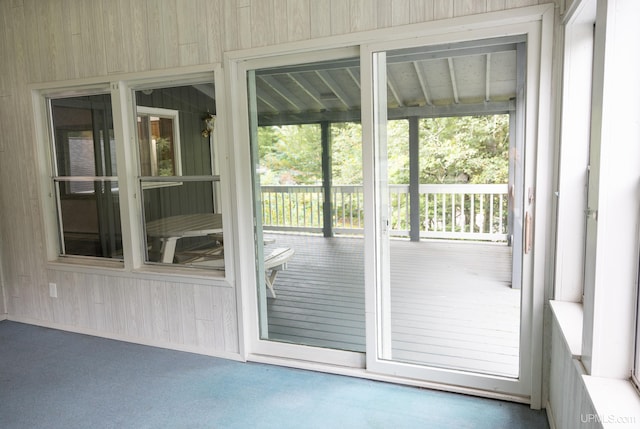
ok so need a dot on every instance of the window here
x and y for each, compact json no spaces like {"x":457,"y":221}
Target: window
{"x":85,"y":176}
{"x":177,"y":177}
{"x":166,"y":186}
{"x":159,"y":142}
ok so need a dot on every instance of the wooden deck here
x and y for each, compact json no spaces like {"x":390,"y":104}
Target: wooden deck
{"x":452,"y":303}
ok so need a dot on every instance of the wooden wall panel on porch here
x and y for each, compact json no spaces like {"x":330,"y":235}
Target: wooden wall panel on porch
{"x":45,"y":41}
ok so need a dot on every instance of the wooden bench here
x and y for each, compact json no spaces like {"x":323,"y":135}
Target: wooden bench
{"x":274,"y":262}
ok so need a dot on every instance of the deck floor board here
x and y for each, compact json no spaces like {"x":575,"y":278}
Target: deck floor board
{"x":452,"y":304}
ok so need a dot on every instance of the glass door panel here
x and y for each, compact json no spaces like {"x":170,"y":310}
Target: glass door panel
{"x":308,"y":206}
{"x":445,"y":140}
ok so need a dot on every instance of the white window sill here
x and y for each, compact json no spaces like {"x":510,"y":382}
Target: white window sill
{"x":169,"y":272}
{"x":569,"y":317}
{"x":72,"y":263}
{"x":616,"y":402}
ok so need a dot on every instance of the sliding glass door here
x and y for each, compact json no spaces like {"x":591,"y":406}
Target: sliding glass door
{"x":448,"y":187}
{"x":305,"y":132}
{"x":393,"y":199}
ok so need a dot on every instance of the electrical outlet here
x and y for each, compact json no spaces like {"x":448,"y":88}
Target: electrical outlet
{"x":53,"y":290}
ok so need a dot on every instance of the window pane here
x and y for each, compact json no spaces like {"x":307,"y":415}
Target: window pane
{"x":90,"y":219}
{"x":84,"y":148}
{"x":306,"y":150}
{"x":159,"y":142}
{"x":175,"y":118}
{"x":181,"y":226}
{"x":83,"y":136}
{"x":182,"y":212}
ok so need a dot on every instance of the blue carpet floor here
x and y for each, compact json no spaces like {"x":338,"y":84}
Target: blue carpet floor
{"x":55,"y":379}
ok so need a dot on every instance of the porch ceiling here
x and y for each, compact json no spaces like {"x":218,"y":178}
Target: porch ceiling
{"x":427,"y":81}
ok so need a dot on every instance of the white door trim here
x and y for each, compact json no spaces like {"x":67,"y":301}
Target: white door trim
{"x":537,"y":23}
{"x":537,"y":165}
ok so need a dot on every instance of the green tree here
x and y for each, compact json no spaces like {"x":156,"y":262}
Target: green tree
{"x":465,"y":149}
{"x":346,"y":153}
{"x":290,"y":154}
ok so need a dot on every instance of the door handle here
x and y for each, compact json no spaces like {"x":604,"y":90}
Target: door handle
{"x":528,"y":232}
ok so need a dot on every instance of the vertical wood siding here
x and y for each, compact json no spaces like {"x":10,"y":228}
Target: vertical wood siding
{"x":43,"y":41}
{"x":568,"y":397}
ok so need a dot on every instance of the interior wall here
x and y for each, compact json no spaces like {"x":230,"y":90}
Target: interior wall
{"x":569,"y":404}
{"x":45,"y":41}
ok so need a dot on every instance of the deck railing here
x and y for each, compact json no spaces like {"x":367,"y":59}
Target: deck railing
{"x":455,"y":211}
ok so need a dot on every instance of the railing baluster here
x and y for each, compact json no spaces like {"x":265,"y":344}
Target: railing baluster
{"x":435,"y":212}
{"x":483,"y":218}
{"x":264,"y":212}
{"x":407,"y":214}
{"x":319,"y":208}
{"x":334,"y":211}
{"x":501,"y":202}
{"x":293,"y":206}
{"x":270,"y":210}
{"x":472,"y":221}
{"x":359,"y":212}
{"x":491,"y":213}
{"x":352,"y":208}
{"x":462,"y":214}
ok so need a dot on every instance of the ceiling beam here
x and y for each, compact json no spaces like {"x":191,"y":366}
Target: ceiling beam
{"x":423,"y":82}
{"x":283,"y":92}
{"x":487,"y":85}
{"x":394,"y":91}
{"x":334,"y":87}
{"x":270,"y":101}
{"x":355,"y":75}
{"x":308,"y":88}
{"x":454,"y":84}
{"x":463,"y":49}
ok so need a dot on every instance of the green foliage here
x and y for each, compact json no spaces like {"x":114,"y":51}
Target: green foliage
{"x":290,"y":155}
{"x":467,"y":149}
{"x":164,"y":153}
{"x":346,"y":153}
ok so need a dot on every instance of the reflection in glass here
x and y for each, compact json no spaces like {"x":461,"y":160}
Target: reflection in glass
{"x":159,"y":142}
{"x":308,"y":205}
{"x":448,"y":298}
{"x":178,"y":182}
{"x":85,"y":176}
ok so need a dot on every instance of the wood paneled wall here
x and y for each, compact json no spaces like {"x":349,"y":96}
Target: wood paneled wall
{"x":52,"y":40}
{"x":568,"y":398}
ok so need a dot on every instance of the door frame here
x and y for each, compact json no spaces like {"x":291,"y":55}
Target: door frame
{"x":258,"y":349}
{"x":536,"y":158}
{"x":537,"y":23}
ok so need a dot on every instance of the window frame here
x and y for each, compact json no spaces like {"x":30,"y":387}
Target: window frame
{"x":124,"y":113}
{"x":174,"y":115}
{"x":146,"y":183}
{"x":57,"y":180}
{"x":611,"y":265}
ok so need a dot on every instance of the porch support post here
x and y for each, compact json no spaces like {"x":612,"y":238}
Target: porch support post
{"x":414,"y":179}
{"x":325,"y":137}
